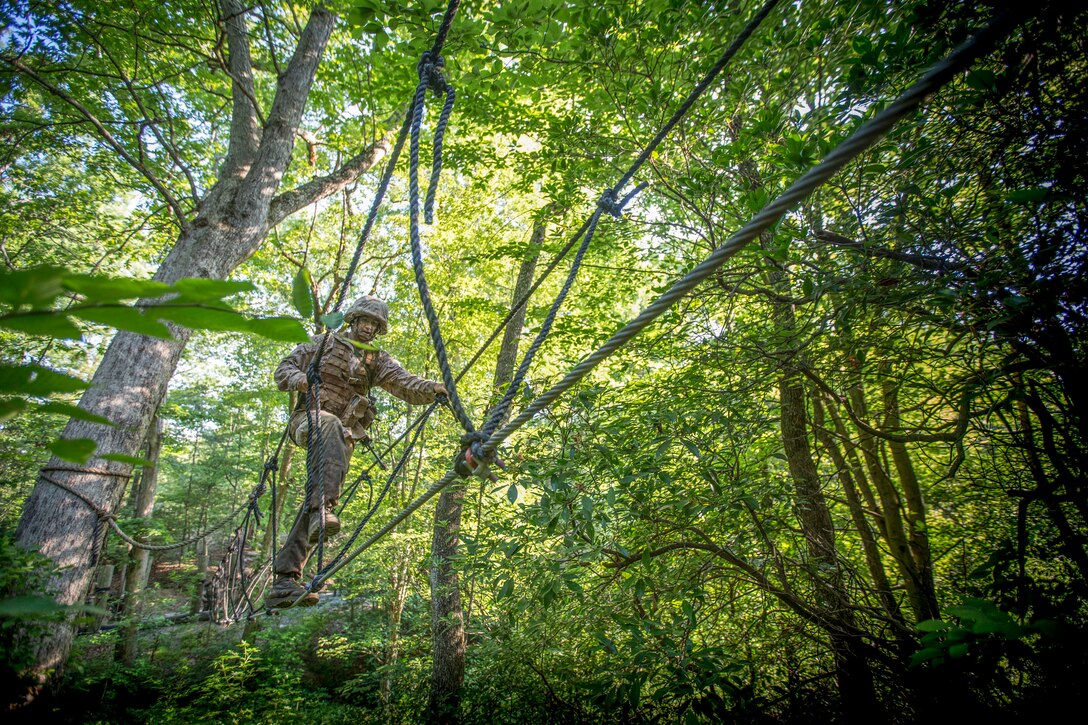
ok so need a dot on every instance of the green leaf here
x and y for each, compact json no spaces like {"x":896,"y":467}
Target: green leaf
{"x":333,"y":320}
{"x":982,"y":79}
{"x":1027,"y":196}
{"x":30,"y":606}
{"x":925,"y":655}
{"x":300,"y":294}
{"x":694,"y":449}
{"x":122,"y":458}
{"x":37,"y":380}
{"x":37,"y":286}
{"x":512,"y":493}
{"x":506,"y":589}
{"x":11,"y":407}
{"x":124,"y":318}
{"x":76,"y":450}
{"x":201,"y":318}
{"x":72,"y":411}
{"x":48,"y":323}
{"x":362,"y":345}
{"x":933,"y":625}
{"x":113,"y":289}
{"x":210,"y":290}
{"x":284,"y":329}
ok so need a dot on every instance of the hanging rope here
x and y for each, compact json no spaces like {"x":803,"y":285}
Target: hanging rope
{"x":430,"y":78}
{"x":430,"y":72}
{"x":864,"y":137}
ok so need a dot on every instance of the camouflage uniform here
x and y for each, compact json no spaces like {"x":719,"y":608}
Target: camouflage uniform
{"x":347,"y":374}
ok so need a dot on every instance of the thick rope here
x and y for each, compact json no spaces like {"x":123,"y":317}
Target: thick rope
{"x":106,"y":516}
{"x":607,"y":203}
{"x":430,"y":76}
{"x":864,"y":137}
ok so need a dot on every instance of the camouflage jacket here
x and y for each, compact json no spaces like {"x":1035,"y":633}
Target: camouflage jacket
{"x":347,"y":375}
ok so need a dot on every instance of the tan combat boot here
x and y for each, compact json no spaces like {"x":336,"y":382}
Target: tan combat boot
{"x":286,"y":591}
{"x":332,"y":524}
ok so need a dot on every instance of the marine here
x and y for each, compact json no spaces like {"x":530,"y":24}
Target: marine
{"x":346,"y":376}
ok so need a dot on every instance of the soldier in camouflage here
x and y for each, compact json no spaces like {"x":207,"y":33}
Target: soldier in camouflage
{"x":347,"y":374}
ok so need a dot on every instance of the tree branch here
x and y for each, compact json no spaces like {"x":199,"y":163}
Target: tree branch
{"x":292,"y":90}
{"x":106,"y":136}
{"x":245,"y":128}
{"x":934,"y":264}
{"x":291,"y":201}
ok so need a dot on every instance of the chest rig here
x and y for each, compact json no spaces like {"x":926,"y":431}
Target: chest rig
{"x":347,"y":375}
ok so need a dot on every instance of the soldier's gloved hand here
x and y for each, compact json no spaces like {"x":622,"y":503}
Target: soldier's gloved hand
{"x":302,"y":386}
{"x":440,"y":389}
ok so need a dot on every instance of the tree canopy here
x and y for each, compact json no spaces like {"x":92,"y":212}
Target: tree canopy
{"x":845,"y":477}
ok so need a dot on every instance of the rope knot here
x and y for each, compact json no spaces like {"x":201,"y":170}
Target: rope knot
{"x":271,"y":464}
{"x":610,"y":204}
{"x":429,"y":69}
{"x":472,"y":461}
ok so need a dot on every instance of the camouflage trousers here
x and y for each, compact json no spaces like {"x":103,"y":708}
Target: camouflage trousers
{"x":336,"y":449}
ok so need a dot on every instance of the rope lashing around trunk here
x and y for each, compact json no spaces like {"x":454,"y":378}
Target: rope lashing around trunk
{"x":862,"y":139}
{"x":111,"y":519}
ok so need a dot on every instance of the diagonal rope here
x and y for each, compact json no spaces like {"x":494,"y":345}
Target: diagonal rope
{"x":609,"y":203}
{"x":864,"y":137}
{"x":373,"y":508}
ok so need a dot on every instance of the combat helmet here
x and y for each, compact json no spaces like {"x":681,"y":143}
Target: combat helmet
{"x":372,"y":307}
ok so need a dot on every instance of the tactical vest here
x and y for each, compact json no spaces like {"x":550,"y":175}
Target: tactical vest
{"x":347,"y":374}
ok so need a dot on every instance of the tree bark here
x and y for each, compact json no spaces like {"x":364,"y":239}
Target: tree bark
{"x":231,"y":222}
{"x":447,"y":613}
{"x":139,"y":559}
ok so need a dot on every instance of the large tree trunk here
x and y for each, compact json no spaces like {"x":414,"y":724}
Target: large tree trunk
{"x":447,"y":614}
{"x":231,"y":222}
{"x":139,"y":560}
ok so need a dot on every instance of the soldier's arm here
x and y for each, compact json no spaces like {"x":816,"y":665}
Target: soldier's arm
{"x":292,"y":371}
{"x":410,"y":388}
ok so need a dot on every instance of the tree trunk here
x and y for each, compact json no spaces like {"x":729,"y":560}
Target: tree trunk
{"x":857,"y":515}
{"x":915,"y":511}
{"x":447,"y":614}
{"x":852,"y":671}
{"x":139,"y":560}
{"x":399,"y":576}
{"x":447,"y":617}
{"x":231,"y":222}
